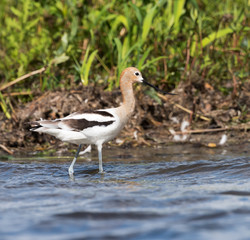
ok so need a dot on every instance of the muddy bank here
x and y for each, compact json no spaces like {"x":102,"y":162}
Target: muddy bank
{"x":199,"y":114}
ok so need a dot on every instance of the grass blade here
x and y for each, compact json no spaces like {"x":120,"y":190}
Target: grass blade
{"x":120,"y":19}
{"x":178,"y":11}
{"x":4,"y":106}
{"x":152,"y":61}
{"x":143,"y":58}
{"x":147,"y":23}
{"x":87,"y":67}
{"x":210,"y":38}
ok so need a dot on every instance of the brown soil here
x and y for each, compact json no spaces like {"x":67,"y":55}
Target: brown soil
{"x":209,"y":113}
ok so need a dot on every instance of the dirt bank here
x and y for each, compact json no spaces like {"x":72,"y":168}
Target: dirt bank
{"x":199,"y":114}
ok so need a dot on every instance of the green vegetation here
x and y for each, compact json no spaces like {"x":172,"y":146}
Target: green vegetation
{"x":95,"y":40}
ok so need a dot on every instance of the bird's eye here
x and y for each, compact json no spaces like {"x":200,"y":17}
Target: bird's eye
{"x":137,"y":73}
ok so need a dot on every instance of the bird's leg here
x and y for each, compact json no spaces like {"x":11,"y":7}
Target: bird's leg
{"x":71,"y":168}
{"x":88,"y":149}
{"x":99,"y":148}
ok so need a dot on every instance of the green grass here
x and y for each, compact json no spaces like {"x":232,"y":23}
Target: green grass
{"x":166,"y":39}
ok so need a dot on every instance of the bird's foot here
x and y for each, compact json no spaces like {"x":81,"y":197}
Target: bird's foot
{"x":101,"y":171}
{"x":71,"y":171}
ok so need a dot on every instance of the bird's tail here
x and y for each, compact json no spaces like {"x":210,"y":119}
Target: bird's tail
{"x":48,"y":124}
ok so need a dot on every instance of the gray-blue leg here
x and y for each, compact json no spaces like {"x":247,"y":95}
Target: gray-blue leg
{"x":99,"y":148}
{"x":71,"y":168}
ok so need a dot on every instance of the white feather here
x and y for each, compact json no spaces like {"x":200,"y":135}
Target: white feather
{"x":90,"y":116}
{"x":184,"y":125}
{"x":64,"y":135}
{"x":64,"y":126}
{"x":223,"y":139}
{"x":175,"y":119}
{"x":48,"y":124}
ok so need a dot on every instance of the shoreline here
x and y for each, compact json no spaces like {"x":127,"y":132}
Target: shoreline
{"x":183,"y":118}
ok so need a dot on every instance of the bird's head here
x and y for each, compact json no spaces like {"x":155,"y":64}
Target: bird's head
{"x":133,"y":75}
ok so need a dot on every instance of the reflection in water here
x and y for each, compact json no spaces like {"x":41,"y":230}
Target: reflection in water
{"x":166,"y":193}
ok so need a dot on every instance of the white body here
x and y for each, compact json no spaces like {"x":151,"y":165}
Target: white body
{"x":92,"y":135}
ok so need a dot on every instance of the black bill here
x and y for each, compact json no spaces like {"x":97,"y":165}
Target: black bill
{"x":156,"y":88}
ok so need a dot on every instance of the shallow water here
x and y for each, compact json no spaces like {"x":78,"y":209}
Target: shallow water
{"x":177,"y":192}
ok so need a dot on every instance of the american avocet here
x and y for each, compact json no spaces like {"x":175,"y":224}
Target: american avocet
{"x":98,"y":126}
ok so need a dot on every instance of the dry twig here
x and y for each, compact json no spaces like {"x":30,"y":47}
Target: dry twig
{"x":184,"y":109}
{"x":240,"y":127}
{"x":6,"y":149}
{"x":17,"y":93}
{"x":22,"y":78}
{"x":191,"y":112}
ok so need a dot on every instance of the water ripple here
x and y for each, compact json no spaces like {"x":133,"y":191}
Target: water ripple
{"x":170,"y":193}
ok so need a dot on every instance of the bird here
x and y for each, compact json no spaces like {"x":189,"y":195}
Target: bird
{"x":95,"y":127}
